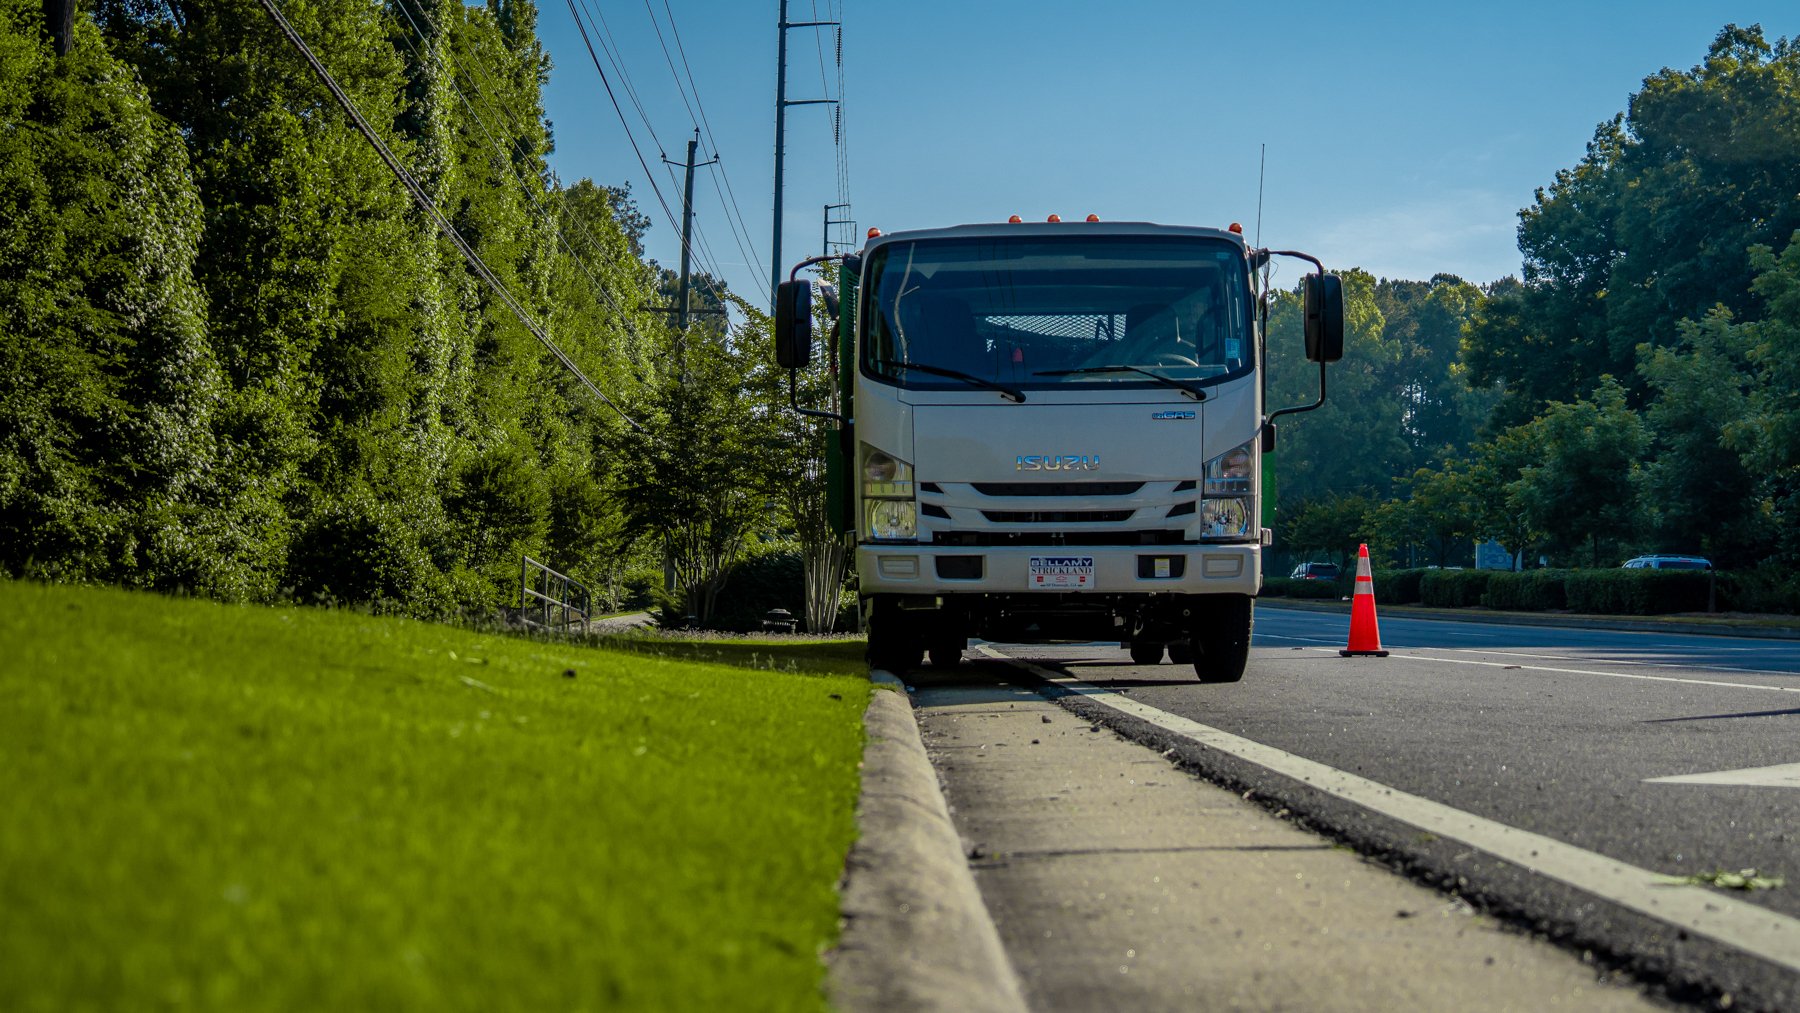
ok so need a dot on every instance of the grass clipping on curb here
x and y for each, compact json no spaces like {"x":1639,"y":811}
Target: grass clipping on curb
{"x":246,"y":808}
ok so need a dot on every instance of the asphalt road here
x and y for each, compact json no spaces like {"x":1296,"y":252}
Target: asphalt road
{"x":1564,"y":733}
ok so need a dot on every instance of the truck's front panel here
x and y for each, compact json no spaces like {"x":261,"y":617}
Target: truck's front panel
{"x":1056,"y":420}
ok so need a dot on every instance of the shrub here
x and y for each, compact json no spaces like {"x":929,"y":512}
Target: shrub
{"x":1399,"y":587}
{"x":1453,"y":588}
{"x":770,"y":579}
{"x":1637,"y":592}
{"x":1762,"y":589}
{"x":1528,"y":590}
{"x":643,"y":587}
{"x":1290,"y":587}
{"x":365,"y":551}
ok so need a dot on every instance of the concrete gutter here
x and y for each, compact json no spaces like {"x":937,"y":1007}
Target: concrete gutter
{"x":916,"y":935}
{"x":1703,"y":627}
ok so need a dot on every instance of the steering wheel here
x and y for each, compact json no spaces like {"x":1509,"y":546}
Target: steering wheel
{"x":1172,"y":359}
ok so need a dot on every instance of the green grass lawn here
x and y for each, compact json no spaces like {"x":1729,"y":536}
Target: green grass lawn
{"x":228,"y":808}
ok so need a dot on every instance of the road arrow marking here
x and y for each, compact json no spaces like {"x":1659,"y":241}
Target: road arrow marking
{"x":1782,"y":775}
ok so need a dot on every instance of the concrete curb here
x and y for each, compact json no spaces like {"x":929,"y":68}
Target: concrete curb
{"x":916,"y":934}
{"x":1710,"y":629}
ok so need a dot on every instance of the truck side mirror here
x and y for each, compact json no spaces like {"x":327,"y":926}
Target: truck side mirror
{"x":793,"y":324}
{"x":1323,"y":296}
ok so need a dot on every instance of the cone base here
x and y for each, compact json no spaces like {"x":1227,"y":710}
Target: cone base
{"x":1362,"y":654}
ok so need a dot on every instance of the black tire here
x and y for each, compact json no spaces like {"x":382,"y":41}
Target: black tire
{"x":946,"y":655}
{"x":893,"y":643}
{"x":1221,"y":638}
{"x":1145,"y":652}
{"x":1181,"y":652}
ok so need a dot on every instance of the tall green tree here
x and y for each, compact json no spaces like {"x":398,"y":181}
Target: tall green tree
{"x":1584,"y":486}
{"x":108,"y":387}
{"x":1769,"y":435}
{"x":1699,"y":494}
{"x":1652,"y":227}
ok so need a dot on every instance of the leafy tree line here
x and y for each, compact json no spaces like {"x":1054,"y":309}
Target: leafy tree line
{"x":1634,"y":391}
{"x":236,"y":360}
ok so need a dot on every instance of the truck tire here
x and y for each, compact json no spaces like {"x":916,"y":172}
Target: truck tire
{"x":1181,"y":652}
{"x":946,"y":654}
{"x":1221,"y":639}
{"x":1145,"y":652}
{"x":894,"y":645}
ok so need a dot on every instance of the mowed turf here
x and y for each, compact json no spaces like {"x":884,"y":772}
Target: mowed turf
{"x":215,"y":807}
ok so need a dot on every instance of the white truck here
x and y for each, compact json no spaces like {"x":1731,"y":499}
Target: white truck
{"x":1055,"y":432}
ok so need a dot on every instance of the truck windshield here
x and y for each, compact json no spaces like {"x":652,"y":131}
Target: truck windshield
{"x":1053,"y":312}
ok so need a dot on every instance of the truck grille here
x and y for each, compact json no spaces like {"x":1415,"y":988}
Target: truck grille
{"x":1057,"y":488}
{"x":1058,"y":516}
{"x":1069,"y":538}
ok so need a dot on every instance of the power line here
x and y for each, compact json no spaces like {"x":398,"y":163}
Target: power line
{"x":425,"y":204}
{"x":618,"y":110}
{"x":670,"y":60}
{"x":539,"y":200}
{"x":735,"y":208}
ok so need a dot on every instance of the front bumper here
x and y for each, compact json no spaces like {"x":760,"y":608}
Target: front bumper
{"x":1130,"y":569}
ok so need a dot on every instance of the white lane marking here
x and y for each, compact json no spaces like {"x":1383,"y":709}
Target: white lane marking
{"x":1309,"y":640}
{"x":1589,"y":671}
{"x":1620,"y":661}
{"x":1785,"y":775}
{"x":1767,"y":934}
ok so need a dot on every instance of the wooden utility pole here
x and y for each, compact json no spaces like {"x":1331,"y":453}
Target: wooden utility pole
{"x":683,"y":308}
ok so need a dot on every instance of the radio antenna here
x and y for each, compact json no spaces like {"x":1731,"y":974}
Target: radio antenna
{"x":1261,"y":165}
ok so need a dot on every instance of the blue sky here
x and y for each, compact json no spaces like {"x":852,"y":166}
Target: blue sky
{"x":1402,"y":140}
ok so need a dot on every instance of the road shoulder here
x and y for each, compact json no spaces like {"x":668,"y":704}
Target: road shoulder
{"x":1117,"y":880}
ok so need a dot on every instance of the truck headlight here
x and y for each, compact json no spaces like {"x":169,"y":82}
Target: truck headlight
{"x":890,"y":513}
{"x":1228,"y":503}
{"x":1232,"y":473}
{"x":890,"y":520}
{"x":1228,"y":518}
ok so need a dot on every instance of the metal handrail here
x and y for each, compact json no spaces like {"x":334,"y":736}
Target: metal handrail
{"x":569,"y":599}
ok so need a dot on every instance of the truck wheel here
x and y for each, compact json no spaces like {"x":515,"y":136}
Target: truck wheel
{"x":893,"y":644}
{"x":1181,"y":652}
{"x":893,"y":657}
{"x":947,"y":654}
{"x":1145,"y":652}
{"x":1222,"y":638}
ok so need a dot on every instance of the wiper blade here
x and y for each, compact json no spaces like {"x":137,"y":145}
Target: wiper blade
{"x":957,"y":374}
{"x":1186,"y":388}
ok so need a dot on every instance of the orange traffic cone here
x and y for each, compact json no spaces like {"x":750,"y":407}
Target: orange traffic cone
{"x":1365,"y":637}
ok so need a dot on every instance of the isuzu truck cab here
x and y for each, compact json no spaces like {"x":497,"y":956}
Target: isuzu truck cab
{"x":1055,"y":432}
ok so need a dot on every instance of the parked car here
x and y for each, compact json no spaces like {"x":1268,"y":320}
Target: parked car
{"x":1668,"y":563}
{"x":1315,"y":571}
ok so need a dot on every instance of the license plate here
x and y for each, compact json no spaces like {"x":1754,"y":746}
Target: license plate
{"x":1062,"y":573}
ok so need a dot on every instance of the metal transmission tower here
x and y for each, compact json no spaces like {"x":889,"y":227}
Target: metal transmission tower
{"x":781,"y":104}
{"x":825,"y":236}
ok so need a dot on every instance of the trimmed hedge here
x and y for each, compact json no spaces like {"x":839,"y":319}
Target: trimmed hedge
{"x":1528,"y":590}
{"x":1399,"y":587}
{"x":1288,"y":587}
{"x":1453,"y":588}
{"x":1768,"y":589}
{"x":1637,"y":592}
